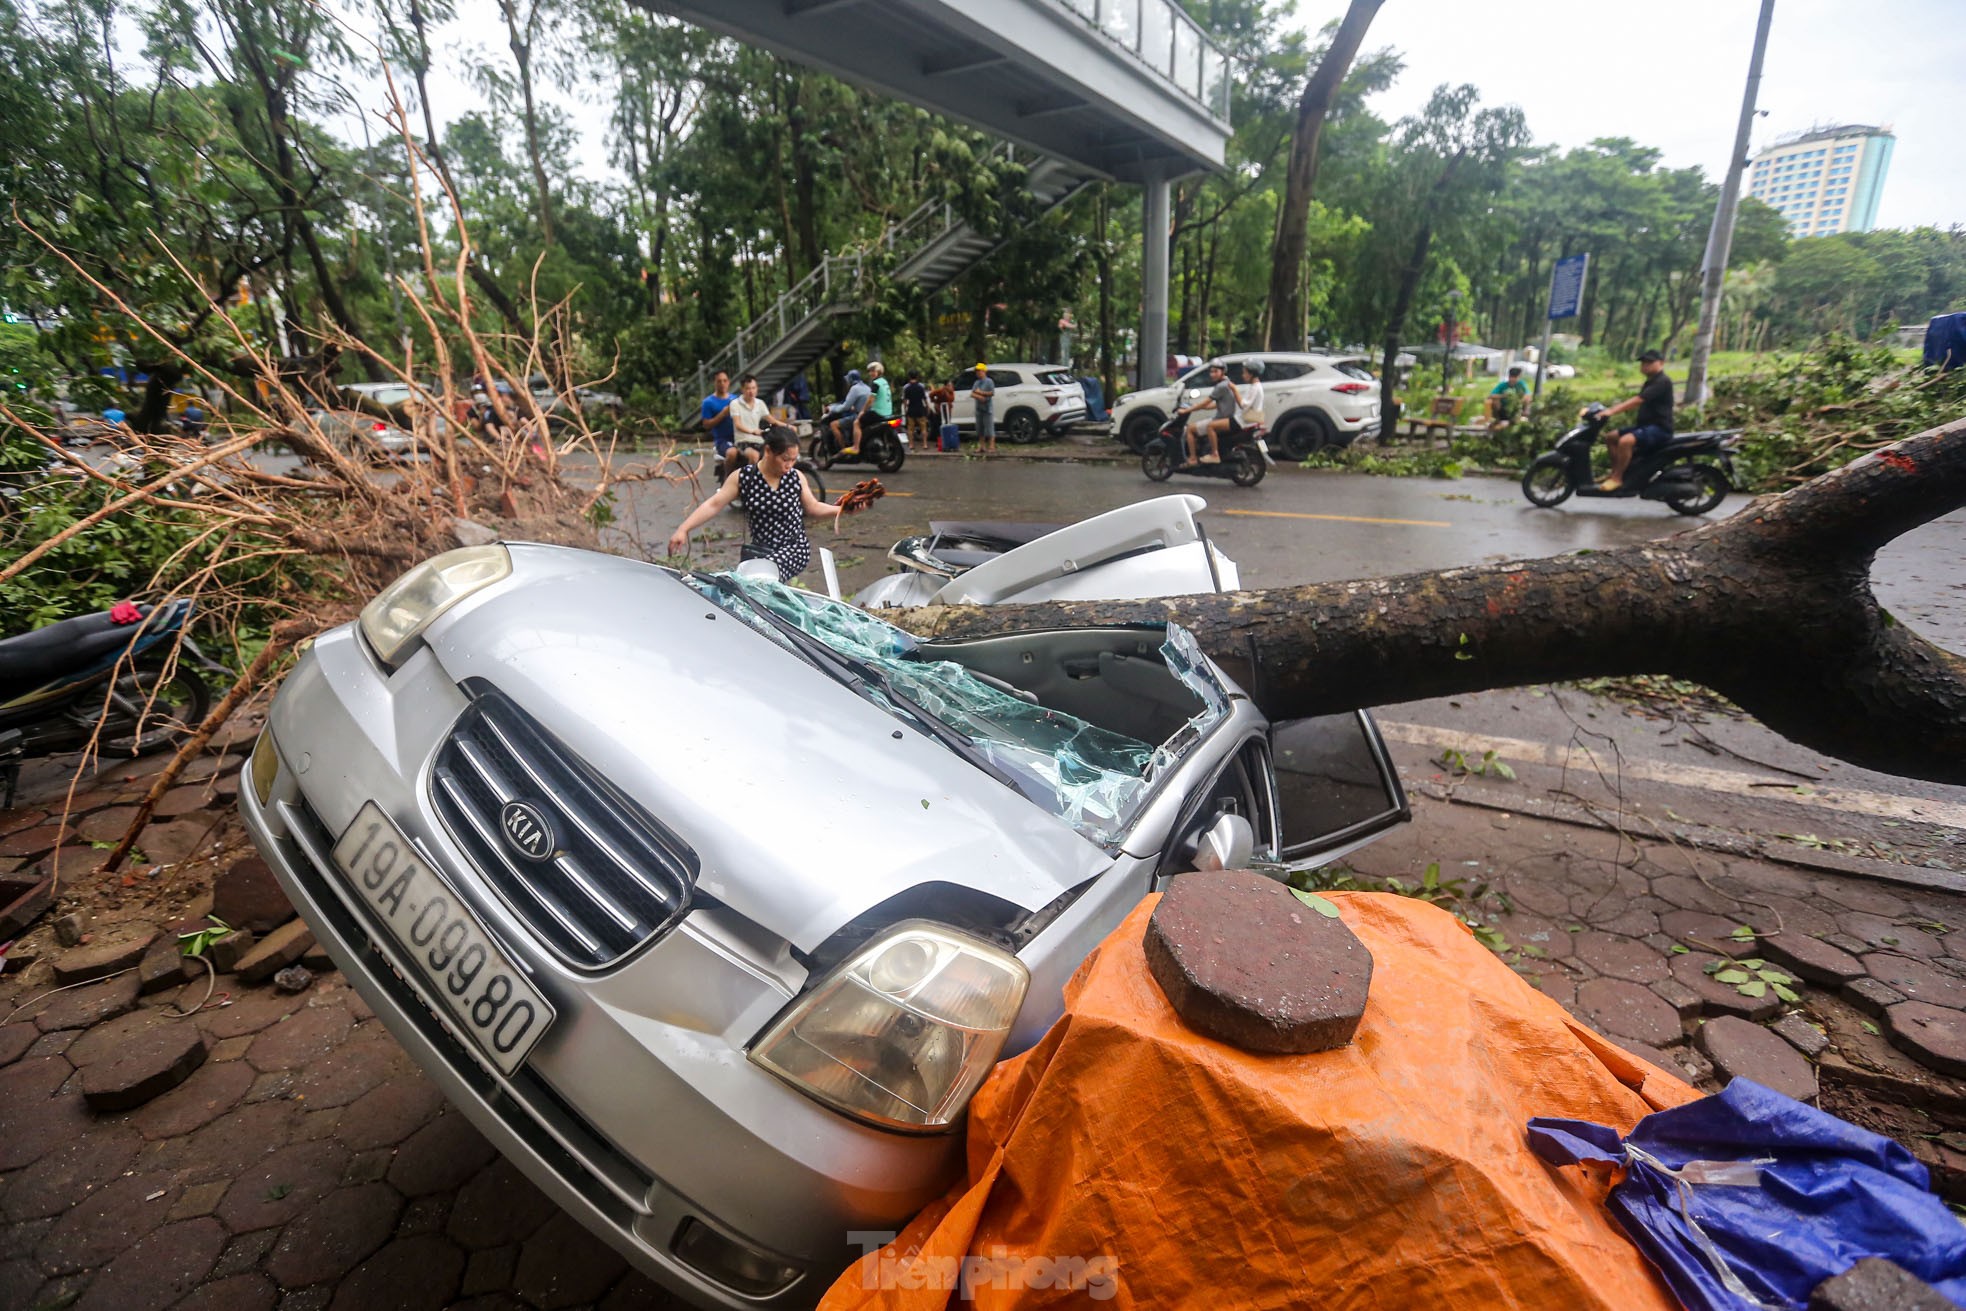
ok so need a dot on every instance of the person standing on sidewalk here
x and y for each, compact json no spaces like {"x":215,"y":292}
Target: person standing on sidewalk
{"x":984,"y":393}
{"x":914,"y":403}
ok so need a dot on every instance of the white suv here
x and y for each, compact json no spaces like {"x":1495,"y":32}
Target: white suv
{"x":1309,"y":401}
{"x":1031,"y":399}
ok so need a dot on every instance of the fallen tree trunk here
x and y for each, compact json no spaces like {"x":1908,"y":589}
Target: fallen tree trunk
{"x":1772,"y":608}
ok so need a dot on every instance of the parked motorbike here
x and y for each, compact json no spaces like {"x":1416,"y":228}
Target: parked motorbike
{"x":1692,"y":473}
{"x":883,"y":444}
{"x":108,"y":677}
{"x":1245,"y":458}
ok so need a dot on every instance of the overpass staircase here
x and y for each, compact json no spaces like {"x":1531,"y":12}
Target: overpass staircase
{"x":929,"y":248}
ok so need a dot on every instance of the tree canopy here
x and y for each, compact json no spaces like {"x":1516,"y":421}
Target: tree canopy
{"x":226,"y":165}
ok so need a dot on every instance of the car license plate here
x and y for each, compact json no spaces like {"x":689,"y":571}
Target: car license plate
{"x":456,"y":960}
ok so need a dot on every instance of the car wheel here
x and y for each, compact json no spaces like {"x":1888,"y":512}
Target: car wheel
{"x":1305,"y":434}
{"x":1156,"y":464}
{"x":1246,"y":467}
{"x":1139,"y":429}
{"x":1547,"y":482}
{"x":1021,"y":427}
{"x":1703,"y":491}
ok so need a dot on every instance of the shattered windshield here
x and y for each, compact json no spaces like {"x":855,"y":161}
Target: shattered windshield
{"x":1092,"y":778}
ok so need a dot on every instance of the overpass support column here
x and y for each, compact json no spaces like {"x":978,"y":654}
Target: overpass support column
{"x":1152,"y":368}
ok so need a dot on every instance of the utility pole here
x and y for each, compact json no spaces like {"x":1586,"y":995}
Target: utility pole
{"x":1720,"y":238}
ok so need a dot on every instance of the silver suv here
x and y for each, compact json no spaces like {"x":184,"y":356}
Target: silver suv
{"x":1309,"y":401}
{"x":711,"y":901}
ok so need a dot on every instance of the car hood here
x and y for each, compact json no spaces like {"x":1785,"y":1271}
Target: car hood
{"x":806,"y":803}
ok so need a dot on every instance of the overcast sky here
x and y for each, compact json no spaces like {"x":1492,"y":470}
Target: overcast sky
{"x":1667,"y":73}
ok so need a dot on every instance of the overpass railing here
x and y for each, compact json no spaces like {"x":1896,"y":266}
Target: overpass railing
{"x":1160,"y":34}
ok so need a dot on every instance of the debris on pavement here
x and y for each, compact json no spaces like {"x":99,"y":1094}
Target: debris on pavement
{"x":294,"y":978}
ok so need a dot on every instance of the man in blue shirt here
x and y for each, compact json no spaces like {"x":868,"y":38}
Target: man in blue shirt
{"x":716,"y":414}
{"x":844,"y":418}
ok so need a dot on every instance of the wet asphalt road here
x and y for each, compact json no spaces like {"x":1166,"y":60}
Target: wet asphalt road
{"x":1302,"y":526}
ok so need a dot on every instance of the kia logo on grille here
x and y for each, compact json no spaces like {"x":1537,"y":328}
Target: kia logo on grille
{"x":528,"y":831}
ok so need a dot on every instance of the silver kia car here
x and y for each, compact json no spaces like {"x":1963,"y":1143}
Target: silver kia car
{"x":712,"y":901}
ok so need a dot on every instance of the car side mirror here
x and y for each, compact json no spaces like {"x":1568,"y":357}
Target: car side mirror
{"x":1229,"y":843}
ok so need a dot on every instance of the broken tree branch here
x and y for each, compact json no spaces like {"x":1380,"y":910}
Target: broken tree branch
{"x":1771,"y":608}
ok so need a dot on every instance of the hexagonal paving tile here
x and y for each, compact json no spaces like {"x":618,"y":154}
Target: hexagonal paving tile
{"x":410,"y":1274}
{"x":335,"y":1235}
{"x":440,"y":1156}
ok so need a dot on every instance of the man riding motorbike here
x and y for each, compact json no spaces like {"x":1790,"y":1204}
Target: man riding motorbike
{"x":1221,"y":399}
{"x":843,"y":420}
{"x":1654,"y":426}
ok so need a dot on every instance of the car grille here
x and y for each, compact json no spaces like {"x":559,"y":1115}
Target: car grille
{"x":614,"y":879}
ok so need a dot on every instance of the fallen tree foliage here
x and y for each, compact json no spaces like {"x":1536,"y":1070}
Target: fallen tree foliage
{"x":1773,"y":608}
{"x":270,"y":555}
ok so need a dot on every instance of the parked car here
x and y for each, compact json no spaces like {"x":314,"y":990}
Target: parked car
{"x":1032,"y":400}
{"x":683,"y":893}
{"x":592,"y":401}
{"x":384,"y":400}
{"x":365,"y":437}
{"x":1310,"y":401}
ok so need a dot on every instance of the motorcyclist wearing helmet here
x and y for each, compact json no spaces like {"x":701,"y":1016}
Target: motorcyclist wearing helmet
{"x":880,"y":402}
{"x":1228,"y":426}
{"x":843,"y":420}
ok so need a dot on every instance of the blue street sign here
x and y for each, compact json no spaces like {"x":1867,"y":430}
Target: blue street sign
{"x":1567,"y":286}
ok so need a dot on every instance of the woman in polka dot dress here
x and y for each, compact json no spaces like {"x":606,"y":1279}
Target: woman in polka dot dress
{"x":777,"y":500}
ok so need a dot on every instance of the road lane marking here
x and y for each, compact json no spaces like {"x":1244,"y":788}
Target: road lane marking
{"x":1516,"y":750}
{"x":1340,"y":518}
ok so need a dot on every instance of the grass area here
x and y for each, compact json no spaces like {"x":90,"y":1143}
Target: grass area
{"x":1600,"y":377}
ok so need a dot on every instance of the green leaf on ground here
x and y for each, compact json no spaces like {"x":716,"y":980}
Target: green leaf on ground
{"x":1736,"y":977}
{"x":1868,"y":1026}
{"x":1678,"y":949}
{"x":1753,"y":988}
{"x":1316,"y":903}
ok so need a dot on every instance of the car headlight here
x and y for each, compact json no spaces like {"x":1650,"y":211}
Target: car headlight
{"x":402,"y":610}
{"x":903,"y":1033}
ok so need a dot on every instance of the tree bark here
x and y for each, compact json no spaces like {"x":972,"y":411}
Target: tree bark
{"x":521,"y":47}
{"x":1772,"y":608}
{"x":1409,"y":285}
{"x":1286,"y":299}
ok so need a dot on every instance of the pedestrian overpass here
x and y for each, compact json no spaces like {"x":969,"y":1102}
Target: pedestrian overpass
{"x":1130,"y":90}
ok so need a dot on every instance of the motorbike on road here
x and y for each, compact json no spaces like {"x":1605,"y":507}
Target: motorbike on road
{"x":110,"y":677}
{"x":1245,"y":456}
{"x":1692,"y":473}
{"x":883,"y":444}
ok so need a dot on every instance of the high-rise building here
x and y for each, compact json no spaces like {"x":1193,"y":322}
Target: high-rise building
{"x":1826,"y":179}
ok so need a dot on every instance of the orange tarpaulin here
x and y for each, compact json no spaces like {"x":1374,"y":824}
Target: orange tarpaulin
{"x":1128,"y":1160}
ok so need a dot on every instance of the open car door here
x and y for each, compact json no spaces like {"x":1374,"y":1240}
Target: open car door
{"x":1336,"y":787}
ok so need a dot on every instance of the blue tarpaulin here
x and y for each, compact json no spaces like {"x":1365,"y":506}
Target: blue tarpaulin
{"x":1748,"y":1199}
{"x":1095,"y":400}
{"x":1945,"y":342}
